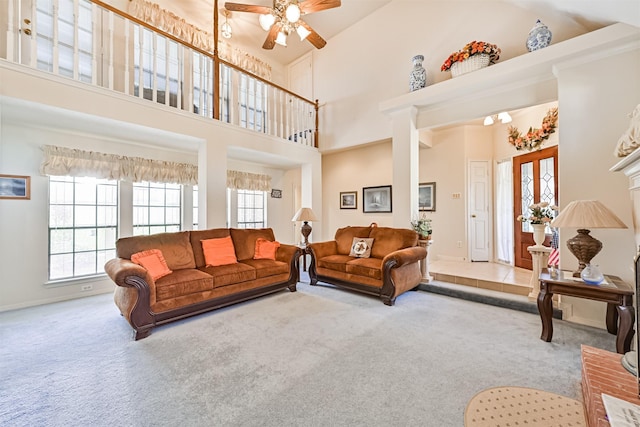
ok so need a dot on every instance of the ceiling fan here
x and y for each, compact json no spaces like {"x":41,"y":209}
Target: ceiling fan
{"x":284,"y":18}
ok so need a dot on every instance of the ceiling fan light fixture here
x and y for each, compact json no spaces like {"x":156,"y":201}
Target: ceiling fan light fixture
{"x":266,"y":21}
{"x":488,"y":121}
{"x":281,"y":39}
{"x":504,"y":117}
{"x":302,"y":32}
{"x":226,"y":30}
{"x":292,"y":13}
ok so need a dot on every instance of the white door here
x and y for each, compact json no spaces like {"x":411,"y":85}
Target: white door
{"x":479,"y":205}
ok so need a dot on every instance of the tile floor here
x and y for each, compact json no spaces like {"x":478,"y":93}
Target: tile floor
{"x":485,"y":275}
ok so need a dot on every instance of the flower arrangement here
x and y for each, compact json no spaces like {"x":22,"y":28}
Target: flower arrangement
{"x":541,"y":213}
{"x":470,"y":49}
{"x":422,"y":226}
{"x":534,"y":138}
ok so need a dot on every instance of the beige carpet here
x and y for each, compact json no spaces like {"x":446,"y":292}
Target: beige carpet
{"x":520,"y":406}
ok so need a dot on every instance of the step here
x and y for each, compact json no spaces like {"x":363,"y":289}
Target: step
{"x":485,"y":296}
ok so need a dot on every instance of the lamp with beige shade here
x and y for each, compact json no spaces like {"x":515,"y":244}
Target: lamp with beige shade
{"x":583,"y":215}
{"x":305,"y":215}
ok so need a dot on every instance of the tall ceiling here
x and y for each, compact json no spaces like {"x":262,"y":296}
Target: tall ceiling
{"x":592,"y":14}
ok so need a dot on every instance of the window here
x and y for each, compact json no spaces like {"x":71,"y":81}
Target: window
{"x":251,"y":209}
{"x":156,"y":208}
{"x":83,"y":221}
{"x":73,"y":30}
{"x":253,"y":103}
{"x":195,"y":207}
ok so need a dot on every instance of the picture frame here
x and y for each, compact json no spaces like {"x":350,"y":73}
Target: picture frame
{"x":376,"y":199}
{"x":427,"y":197}
{"x":15,"y":187}
{"x":276,"y":194}
{"x":348,"y":200}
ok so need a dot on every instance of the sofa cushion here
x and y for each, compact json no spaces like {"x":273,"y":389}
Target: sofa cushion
{"x":368,"y":267}
{"x":175,"y":247}
{"x":344,"y":237}
{"x":153,"y":261}
{"x":219,"y":251}
{"x":196,"y":236}
{"x":267,"y":267}
{"x":229,"y":274}
{"x":245,"y":240}
{"x":334,"y":262}
{"x":183,"y":282}
{"x":389,"y":239}
{"x":361,"y":247}
{"x":265,"y":249}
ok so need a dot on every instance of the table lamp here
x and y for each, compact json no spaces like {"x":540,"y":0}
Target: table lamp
{"x":306,"y":215}
{"x":585,"y":214}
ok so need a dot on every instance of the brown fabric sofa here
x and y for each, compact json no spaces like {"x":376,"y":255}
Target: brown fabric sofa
{"x":192,"y":287}
{"x":392,"y":268}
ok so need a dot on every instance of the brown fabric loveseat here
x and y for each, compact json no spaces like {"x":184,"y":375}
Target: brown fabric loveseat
{"x":193,"y":287}
{"x":391,"y":269}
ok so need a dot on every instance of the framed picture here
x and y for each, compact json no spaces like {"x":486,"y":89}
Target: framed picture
{"x":15,"y":187}
{"x":348,"y":200}
{"x":276,"y":194}
{"x":427,"y":196}
{"x":376,"y":199}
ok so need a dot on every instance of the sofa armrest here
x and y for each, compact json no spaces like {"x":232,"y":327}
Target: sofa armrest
{"x":322,"y":249}
{"x":286,"y":253}
{"x":119,"y":269}
{"x":404,"y":256}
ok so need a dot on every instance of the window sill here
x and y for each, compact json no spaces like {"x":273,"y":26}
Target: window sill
{"x":74,"y":281}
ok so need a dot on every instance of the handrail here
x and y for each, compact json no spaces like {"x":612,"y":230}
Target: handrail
{"x":197,"y":49}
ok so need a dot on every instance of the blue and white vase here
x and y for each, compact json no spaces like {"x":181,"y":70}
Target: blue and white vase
{"x":539,"y":37}
{"x":418,"y":76}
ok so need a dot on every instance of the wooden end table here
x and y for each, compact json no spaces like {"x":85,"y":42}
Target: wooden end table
{"x":617,"y":294}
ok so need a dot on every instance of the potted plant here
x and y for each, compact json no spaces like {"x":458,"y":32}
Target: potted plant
{"x":422,"y":226}
{"x":540,"y":214}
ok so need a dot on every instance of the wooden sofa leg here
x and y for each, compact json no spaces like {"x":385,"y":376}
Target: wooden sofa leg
{"x":140,"y":334}
{"x":388,"y":301}
{"x":292,"y":287}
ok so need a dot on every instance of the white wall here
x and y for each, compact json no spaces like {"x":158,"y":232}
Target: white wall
{"x":370,"y":62}
{"x":38,"y":109}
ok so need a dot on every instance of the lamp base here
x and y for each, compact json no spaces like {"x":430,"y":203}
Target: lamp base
{"x":584,"y":248}
{"x":305,"y":230}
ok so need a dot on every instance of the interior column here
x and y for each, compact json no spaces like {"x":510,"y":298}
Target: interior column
{"x":406,"y":162}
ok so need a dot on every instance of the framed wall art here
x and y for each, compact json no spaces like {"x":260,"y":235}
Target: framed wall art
{"x":15,"y":187}
{"x":348,"y":200}
{"x":376,"y":199}
{"x":427,"y":196}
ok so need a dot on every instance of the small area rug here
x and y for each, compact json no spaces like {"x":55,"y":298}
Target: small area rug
{"x":514,"y":406}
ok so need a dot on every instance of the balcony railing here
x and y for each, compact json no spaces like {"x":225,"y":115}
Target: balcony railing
{"x":94,"y":43}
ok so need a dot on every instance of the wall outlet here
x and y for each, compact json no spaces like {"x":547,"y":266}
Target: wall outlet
{"x":459,"y":243}
{"x":86,"y":287}
{"x":456,"y":195}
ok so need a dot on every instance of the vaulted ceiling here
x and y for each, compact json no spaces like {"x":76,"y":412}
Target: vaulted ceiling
{"x":591,"y":14}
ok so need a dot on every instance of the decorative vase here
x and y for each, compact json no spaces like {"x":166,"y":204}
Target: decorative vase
{"x":470,"y":64}
{"x":592,"y":275}
{"x":539,"y":37}
{"x":538,"y":233}
{"x":418,"y":76}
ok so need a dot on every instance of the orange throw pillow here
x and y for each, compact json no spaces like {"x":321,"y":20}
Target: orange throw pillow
{"x":219,"y":251}
{"x":265,"y":249}
{"x":153,"y":261}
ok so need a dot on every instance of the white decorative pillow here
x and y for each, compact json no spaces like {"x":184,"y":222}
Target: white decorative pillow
{"x":361,"y":247}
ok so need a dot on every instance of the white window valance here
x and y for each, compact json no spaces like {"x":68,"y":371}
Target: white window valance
{"x":62,"y":161}
{"x":165,"y":20}
{"x":237,"y":180}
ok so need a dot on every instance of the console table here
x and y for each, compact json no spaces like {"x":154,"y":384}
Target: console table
{"x":617,"y":294}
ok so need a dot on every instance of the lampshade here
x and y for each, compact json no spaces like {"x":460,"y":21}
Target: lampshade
{"x":266,"y":21}
{"x":583,"y":214}
{"x":505,"y":117}
{"x":281,"y":39}
{"x":292,"y":13}
{"x":304,"y":214}
{"x":587,"y":214}
{"x":488,"y":121}
{"x":302,"y":32}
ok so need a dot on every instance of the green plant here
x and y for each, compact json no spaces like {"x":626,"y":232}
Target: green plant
{"x":422,"y":226}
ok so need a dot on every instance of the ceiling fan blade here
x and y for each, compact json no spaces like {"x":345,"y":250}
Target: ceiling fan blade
{"x":313,"y":38}
{"x":270,"y":41}
{"x":239,"y":7}
{"x":310,"y":6}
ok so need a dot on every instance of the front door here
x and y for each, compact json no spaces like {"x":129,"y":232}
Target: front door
{"x":535,"y":179}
